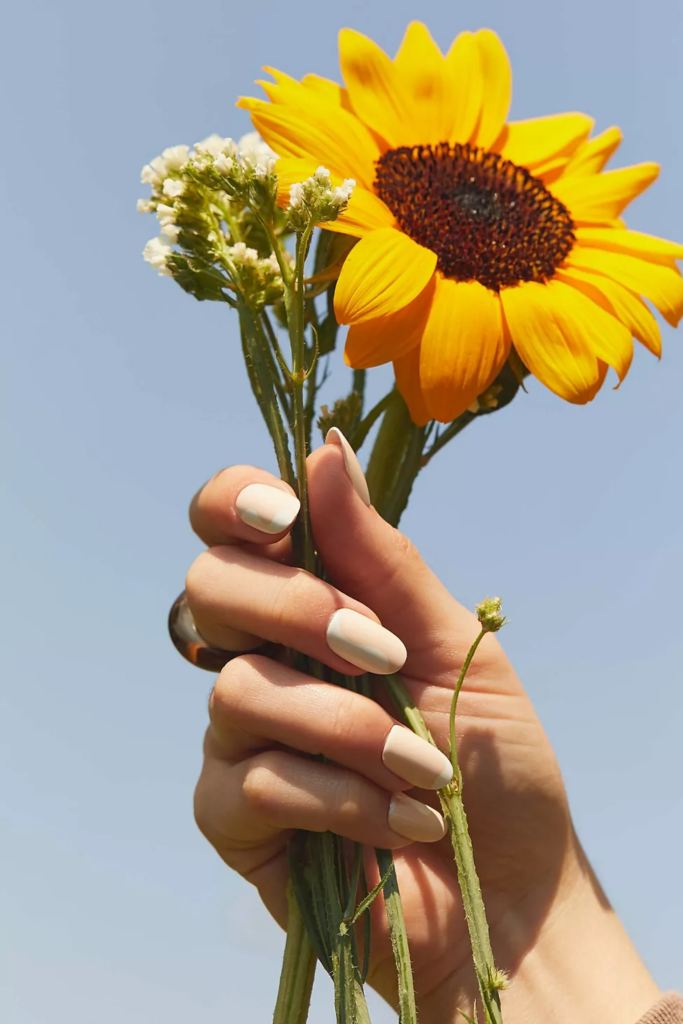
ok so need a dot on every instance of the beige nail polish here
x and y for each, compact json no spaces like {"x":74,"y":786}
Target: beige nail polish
{"x":365,"y":643}
{"x":353,"y":466}
{"x":415,"y":760}
{"x":414,"y":820}
{"x":266,"y":508}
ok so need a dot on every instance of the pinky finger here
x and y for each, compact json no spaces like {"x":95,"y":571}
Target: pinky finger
{"x":275,"y":791}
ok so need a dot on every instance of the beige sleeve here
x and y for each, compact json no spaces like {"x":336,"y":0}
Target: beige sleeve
{"x":669,"y":1010}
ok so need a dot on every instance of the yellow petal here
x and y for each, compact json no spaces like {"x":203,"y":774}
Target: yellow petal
{"x":407,"y":370}
{"x":365,"y":213}
{"x":602,"y":197}
{"x":370,"y":78}
{"x":536,"y":142}
{"x":464,"y":67}
{"x":327,"y":89}
{"x":560,"y":360}
{"x":635,"y":243}
{"x":591,"y":321}
{"x":319,"y":131}
{"x":497,"y":76}
{"x":386,"y":338}
{"x":629,"y":308}
{"x":424,"y":87}
{"x":382,"y":274}
{"x":591,"y":157}
{"x":463,"y":347}
{"x":661,"y":284}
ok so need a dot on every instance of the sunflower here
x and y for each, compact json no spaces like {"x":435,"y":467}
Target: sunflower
{"x":476,"y":234}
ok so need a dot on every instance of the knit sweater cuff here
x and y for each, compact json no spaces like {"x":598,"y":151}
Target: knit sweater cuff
{"x":669,"y":1010}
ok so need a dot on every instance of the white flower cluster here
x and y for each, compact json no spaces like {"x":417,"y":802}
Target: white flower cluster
{"x":317,"y":199}
{"x":170,"y":173}
{"x":250,"y":157}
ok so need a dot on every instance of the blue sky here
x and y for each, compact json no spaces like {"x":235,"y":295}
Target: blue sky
{"x":124,"y":395}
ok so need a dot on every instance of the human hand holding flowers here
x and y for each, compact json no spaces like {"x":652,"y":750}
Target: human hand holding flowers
{"x":551,"y":927}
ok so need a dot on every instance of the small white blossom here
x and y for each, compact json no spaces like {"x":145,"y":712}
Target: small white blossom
{"x":145,"y":206}
{"x":342,"y":193}
{"x":224,"y":164}
{"x":170,"y":231}
{"x":173,"y":188}
{"x":257,"y":155}
{"x":175,"y":157}
{"x":148,"y":176}
{"x":215,"y":146}
{"x":166,"y":214}
{"x":155,"y":253}
{"x":296,"y":195}
{"x":316,"y":200}
{"x":243,"y":256}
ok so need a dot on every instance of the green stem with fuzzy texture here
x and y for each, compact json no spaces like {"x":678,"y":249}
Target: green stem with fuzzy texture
{"x":399,"y":938}
{"x":298,"y":969}
{"x":298,"y":342}
{"x":260,"y":371}
{"x":454,"y":811}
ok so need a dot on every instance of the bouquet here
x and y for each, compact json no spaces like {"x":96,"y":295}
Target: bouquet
{"x":467,"y":250}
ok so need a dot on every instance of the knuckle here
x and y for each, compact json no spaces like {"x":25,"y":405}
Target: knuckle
{"x":237,"y":688}
{"x":229,"y":692}
{"x":347,"y":797}
{"x":198,"y":577}
{"x":260,"y":781}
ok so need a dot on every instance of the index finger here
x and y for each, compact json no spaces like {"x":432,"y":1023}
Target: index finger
{"x":243,"y":504}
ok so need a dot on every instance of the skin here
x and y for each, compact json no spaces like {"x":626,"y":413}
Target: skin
{"x":551,"y":926}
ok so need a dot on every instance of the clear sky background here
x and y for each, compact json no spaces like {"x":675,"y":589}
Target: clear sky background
{"x":122,"y":395}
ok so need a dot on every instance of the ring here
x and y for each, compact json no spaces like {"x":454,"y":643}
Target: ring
{"x":189,"y":642}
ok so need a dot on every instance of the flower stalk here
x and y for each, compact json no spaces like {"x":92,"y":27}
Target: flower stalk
{"x":298,"y":969}
{"x":489,"y":978}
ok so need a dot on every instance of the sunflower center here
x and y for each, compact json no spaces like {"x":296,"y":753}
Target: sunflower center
{"x":486,"y":219}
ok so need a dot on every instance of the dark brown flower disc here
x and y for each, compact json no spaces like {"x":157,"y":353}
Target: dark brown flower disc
{"x":486,"y":219}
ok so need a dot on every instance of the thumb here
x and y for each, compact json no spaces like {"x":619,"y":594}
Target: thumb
{"x":373,"y":562}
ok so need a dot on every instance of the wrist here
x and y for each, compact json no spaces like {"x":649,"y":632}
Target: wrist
{"x":578,"y":965}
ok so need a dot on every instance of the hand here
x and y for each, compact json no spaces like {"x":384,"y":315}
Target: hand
{"x":551,"y":926}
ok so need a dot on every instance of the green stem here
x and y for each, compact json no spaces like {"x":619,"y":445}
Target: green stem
{"x":366,"y":424}
{"x":298,"y":342}
{"x":399,"y":938}
{"x":298,"y":970}
{"x":457,"y":775}
{"x":396,"y":460}
{"x":254,"y":346}
{"x":468,"y":879}
{"x":277,"y":368}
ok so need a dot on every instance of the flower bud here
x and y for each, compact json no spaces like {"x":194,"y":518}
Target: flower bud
{"x":488,"y":613}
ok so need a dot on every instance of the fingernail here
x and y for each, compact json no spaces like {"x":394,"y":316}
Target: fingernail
{"x":415,"y":760}
{"x":365,"y":643}
{"x":353,"y":467}
{"x":414,"y":820}
{"x":266,"y":508}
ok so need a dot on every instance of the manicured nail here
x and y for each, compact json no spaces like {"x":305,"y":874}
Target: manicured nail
{"x":266,"y":508}
{"x":353,"y":468}
{"x":413,"y":759}
{"x":414,"y":820}
{"x":365,"y":643}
